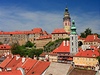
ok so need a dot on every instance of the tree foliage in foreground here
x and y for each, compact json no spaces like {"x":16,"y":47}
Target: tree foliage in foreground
{"x":25,"y":51}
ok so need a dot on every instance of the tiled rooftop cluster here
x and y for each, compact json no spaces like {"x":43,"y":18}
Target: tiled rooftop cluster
{"x":16,"y":65}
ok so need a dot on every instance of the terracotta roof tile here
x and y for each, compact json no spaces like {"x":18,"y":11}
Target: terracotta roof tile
{"x":28,"y":64}
{"x":88,"y":53}
{"x":64,"y":47}
{"x":5,"y":62}
{"x":39,"y":68}
{"x":15,"y":60}
{"x":91,"y":38}
{"x":37,"y":30}
{"x":34,"y":31}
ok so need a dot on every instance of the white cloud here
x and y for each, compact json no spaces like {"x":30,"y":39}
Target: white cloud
{"x":26,"y":20}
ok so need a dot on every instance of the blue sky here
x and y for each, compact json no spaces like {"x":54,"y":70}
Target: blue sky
{"x":48,"y":14}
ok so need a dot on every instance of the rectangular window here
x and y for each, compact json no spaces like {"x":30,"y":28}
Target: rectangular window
{"x":72,"y":43}
{"x":72,"y":38}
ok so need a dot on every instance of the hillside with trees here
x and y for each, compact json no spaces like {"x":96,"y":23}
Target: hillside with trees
{"x":27,"y":50}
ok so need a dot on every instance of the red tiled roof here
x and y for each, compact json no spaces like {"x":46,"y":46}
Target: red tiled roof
{"x":45,"y":37}
{"x":14,"y":62}
{"x":37,"y":30}
{"x":39,"y":68}
{"x":59,"y":31}
{"x":64,"y":47}
{"x":91,"y":38}
{"x":5,"y":47}
{"x":28,"y":64}
{"x":5,"y":62}
{"x":15,"y":72}
{"x":17,"y":65}
{"x":88,"y":53}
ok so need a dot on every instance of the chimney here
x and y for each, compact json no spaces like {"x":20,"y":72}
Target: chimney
{"x":64,"y":43}
{"x":23,"y":59}
{"x":67,"y":43}
{"x":17,"y":57}
{"x":94,"y":36}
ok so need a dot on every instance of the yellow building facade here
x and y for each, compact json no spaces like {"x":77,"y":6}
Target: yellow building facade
{"x":85,"y":61}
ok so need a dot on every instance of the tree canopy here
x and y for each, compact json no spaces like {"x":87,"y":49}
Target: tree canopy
{"x":87,"y":32}
{"x":24,"y":51}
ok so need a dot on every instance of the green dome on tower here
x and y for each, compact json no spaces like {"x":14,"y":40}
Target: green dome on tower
{"x":73,"y":28}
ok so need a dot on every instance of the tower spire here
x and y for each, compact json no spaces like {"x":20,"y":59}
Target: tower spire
{"x":66,"y":20}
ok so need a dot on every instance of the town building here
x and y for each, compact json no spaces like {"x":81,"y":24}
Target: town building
{"x":92,"y":40}
{"x":87,"y":58}
{"x":5,"y":49}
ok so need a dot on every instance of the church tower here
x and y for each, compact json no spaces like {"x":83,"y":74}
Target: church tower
{"x":66,"y":20}
{"x":73,"y":39}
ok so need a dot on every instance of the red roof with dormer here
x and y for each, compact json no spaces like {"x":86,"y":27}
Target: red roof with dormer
{"x":64,"y":47}
{"x":15,"y":60}
{"x":28,"y":64}
{"x":91,"y":38}
{"x":88,"y":53}
{"x":5,"y":47}
{"x":59,"y":31}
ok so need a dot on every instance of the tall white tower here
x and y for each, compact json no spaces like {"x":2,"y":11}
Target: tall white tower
{"x":66,"y":20}
{"x":73,"y":39}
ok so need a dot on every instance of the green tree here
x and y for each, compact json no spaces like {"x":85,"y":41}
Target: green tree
{"x":29,"y":44}
{"x":87,"y":32}
{"x":15,"y":49}
{"x":35,"y":52}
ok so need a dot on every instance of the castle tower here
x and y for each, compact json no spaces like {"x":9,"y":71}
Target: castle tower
{"x":73,"y":39}
{"x":66,"y":20}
